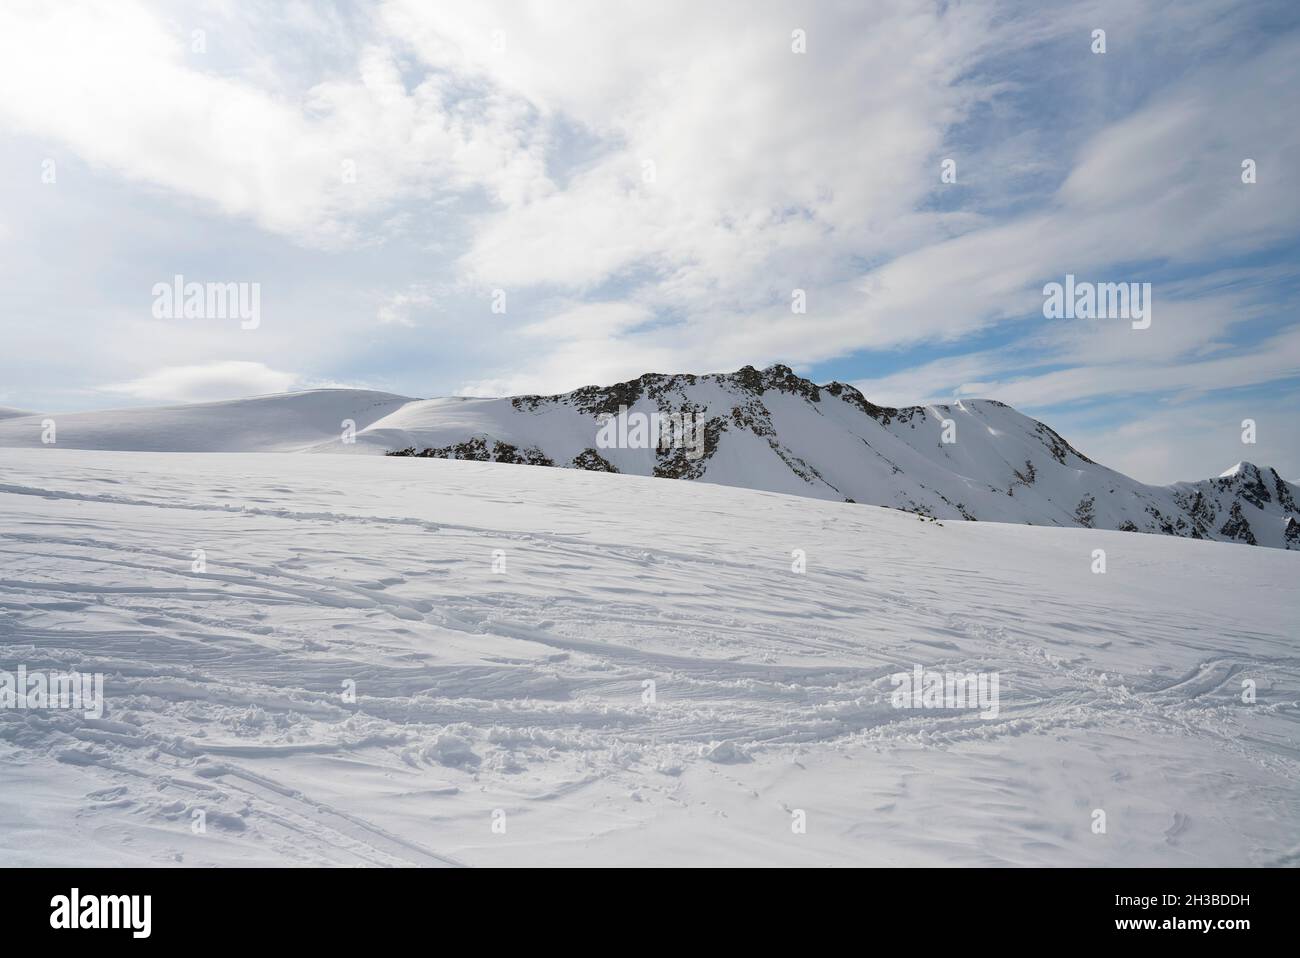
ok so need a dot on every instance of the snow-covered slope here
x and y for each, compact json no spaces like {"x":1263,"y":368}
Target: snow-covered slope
{"x":285,"y":422}
{"x":762,"y":429}
{"x":618,"y":670}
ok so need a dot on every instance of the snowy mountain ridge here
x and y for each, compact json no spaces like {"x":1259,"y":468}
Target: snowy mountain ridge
{"x":765,"y":429}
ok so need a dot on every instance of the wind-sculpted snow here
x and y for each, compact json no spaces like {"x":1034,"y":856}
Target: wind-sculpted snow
{"x":565,"y":667}
{"x":760,"y":429}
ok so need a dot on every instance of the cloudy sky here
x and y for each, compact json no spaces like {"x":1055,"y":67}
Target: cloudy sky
{"x":644,"y":185}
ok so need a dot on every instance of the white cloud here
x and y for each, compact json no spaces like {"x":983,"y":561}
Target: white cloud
{"x":396,"y":308}
{"x":206,"y":383}
{"x":124,"y":90}
{"x":763,"y":161}
{"x":586,"y":321}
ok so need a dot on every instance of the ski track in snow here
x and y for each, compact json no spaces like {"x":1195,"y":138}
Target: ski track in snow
{"x":522,"y":690}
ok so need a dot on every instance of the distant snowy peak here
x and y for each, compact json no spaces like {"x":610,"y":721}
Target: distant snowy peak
{"x":1234,"y":470}
{"x":765,"y":429}
{"x":1259,"y":505}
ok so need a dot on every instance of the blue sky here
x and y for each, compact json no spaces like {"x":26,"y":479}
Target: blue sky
{"x":647,"y":185}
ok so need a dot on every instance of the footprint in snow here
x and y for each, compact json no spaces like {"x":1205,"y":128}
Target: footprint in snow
{"x":1176,"y":830}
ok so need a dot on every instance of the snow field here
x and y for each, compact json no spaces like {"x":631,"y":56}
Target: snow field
{"x":499,"y":625}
